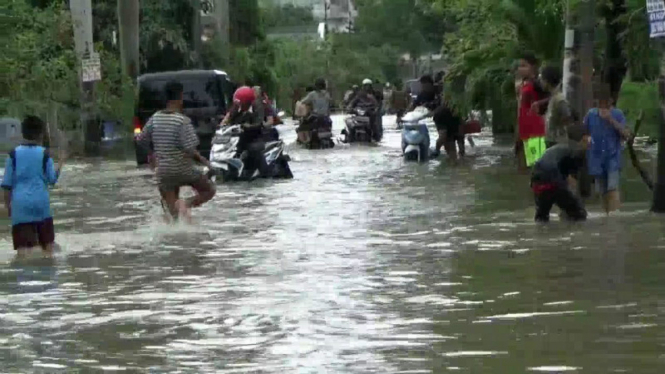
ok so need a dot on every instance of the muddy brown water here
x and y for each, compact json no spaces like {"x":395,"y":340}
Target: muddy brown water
{"x":361,"y":264}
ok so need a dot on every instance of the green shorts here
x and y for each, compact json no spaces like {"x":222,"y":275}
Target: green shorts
{"x":534,"y":148}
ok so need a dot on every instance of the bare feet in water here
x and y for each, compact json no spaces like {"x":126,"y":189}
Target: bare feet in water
{"x":184,"y":212}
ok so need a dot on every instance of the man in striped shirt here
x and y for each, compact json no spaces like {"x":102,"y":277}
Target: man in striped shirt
{"x":174,"y":140}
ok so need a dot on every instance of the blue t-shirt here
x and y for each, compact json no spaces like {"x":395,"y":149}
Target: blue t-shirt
{"x":604,"y":153}
{"x":28,"y":172}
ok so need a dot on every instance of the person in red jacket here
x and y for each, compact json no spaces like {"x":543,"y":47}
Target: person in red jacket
{"x":530,"y":123}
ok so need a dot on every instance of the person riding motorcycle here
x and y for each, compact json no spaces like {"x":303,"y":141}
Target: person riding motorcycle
{"x":366,"y":99}
{"x":246,"y":110}
{"x":350,"y":94}
{"x":318,"y":104}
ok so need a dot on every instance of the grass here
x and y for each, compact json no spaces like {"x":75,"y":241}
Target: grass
{"x":637,"y":96}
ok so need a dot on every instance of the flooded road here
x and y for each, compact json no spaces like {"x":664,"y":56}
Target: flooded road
{"x":361,"y":264}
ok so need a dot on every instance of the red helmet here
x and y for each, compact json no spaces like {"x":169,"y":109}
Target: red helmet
{"x":244,"y":96}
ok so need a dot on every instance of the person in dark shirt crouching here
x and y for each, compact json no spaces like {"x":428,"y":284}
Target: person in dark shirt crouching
{"x":549,"y":180}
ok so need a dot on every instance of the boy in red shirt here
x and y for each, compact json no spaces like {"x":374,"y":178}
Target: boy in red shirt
{"x":531,"y":126}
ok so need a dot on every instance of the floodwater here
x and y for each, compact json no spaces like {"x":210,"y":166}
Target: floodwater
{"x":361,"y":264}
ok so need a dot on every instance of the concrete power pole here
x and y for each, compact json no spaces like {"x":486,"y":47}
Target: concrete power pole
{"x":90,"y":71}
{"x":222,"y":15}
{"x":196,"y":32}
{"x":128,"y":24}
{"x":578,"y":66}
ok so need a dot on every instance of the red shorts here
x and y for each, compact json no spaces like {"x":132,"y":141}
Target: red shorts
{"x":28,"y":235}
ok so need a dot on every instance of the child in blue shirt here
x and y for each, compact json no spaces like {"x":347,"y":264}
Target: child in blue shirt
{"x":28,"y":172}
{"x":606,"y":128}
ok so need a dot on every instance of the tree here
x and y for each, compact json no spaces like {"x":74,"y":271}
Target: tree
{"x":403,"y":24}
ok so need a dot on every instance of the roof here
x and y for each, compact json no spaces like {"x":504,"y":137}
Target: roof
{"x":181,"y":73}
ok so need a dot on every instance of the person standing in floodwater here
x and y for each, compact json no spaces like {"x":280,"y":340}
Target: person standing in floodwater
{"x":530,"y":142}
{"x":606,"y":128}
{"x":175,"y":141}
{"x":29,"y":171}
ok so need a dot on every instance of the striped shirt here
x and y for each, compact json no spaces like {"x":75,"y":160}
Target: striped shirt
{"x":173,"y":137}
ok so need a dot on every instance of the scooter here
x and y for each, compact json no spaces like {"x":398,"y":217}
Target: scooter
{"x":358,"y":127}
{"x":415,"y":136}
{"x":320,"y":133}
{"x":229,"y":166}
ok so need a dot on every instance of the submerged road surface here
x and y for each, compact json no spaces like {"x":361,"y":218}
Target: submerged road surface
{"x":361,"y":264}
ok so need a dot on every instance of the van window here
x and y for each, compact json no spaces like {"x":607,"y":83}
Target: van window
{"x":203,"y":92}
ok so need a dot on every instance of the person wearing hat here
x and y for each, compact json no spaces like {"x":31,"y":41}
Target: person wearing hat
{"x":366,"y":99}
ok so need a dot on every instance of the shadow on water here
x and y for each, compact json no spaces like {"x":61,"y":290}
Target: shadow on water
{"x":362,"y":263}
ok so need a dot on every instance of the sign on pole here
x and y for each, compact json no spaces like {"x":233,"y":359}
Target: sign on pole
{"x":91,"y":68}
{"x":207,"y":7}
{"x":656,"y":12}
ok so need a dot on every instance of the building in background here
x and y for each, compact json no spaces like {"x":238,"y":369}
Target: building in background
{"x":339,"y":16}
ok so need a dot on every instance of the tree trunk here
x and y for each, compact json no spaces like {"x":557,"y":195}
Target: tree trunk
{"x":614,"y":67}
{"x":578,"y":68}
{"x":659,"y":188}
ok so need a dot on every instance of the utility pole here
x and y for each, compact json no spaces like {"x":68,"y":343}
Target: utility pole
{"x":128,"y":24}
{"x":90,"y":71}
{"x":222,"y":14}
{"x":578,"y":66}
{"x":326,"y":8}
{"x":656,"y":12}
{"x":196,"y":32}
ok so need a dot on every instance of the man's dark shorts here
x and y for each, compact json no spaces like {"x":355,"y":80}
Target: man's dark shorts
{"x":33,"y":234}
{"x":452,"y":129}
{"x":199,"y":182}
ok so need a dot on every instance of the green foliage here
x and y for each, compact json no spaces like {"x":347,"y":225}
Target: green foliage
{"x":286,"y":15}
{"x":404,"y":24}
{"x":642,"y":54}
{"x":245,"y":22}
{"x":641,"y":96}
{"x":38,"y":62}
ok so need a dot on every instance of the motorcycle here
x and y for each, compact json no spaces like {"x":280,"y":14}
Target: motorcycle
{"x":320,"y":133}
{"x":358,"y":126}
{"x":415,"y":136}
{"x":229,"y":166}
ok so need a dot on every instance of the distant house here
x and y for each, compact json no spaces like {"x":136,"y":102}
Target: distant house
{"x":339,"y":15}
{"x":294,"y":32}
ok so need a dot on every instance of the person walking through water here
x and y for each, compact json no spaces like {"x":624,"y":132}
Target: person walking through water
{"x":606,"y":129}
{"x":29,"y":170}
{"x":530,"y":143}
{"x":174,"y":140}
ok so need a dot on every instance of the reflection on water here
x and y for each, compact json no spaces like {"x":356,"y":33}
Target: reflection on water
{"x":360,"y":264}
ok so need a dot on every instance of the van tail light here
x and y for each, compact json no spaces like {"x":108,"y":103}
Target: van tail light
{"x":137,"y":126}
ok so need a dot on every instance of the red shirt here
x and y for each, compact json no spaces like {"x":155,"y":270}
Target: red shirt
{"x":530,"y":125}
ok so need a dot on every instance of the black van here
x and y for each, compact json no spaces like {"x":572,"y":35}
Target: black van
{"x":207,"y":96}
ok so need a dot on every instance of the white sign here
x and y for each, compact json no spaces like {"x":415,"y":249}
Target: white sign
{"x":91,"y":68}
{"x":656,"y":13}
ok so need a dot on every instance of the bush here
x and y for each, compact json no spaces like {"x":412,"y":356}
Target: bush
{"x":635,"y":97}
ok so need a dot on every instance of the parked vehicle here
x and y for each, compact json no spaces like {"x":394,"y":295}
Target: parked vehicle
{"x":207,"y":96}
